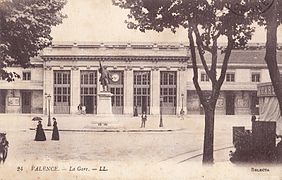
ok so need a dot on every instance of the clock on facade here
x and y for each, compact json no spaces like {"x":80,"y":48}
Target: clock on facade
{"x":115,"y":77}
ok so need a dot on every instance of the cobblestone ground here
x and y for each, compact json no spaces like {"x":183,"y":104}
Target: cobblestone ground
{"x":109,"y":146}
{"x":147,"y":147}
{"x":138,"y":155}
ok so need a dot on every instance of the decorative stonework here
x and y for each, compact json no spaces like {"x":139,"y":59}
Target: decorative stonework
{"x":74,"y":68}
{"x":155,"y":68}
{"x":49,"y":68}
{"x":128,"y":68}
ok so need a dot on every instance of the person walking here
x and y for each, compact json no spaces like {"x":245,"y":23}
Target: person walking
{"x":55,"y":133}
{"x":83,"y":110}
{"x":143,"y":119}
{"x":40,"y":135}
{"x":79,"y":109}
{"x":182,"y":114}
{"x":135,"y":114}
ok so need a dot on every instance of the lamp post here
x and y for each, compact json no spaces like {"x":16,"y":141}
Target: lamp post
{"x":161,"y":112}
{"x":182,"y":97}
{"x":49,"y":118}
{"x":45,"y":111}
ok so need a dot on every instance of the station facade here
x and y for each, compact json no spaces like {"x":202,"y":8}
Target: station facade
{"x":147,"y":76}
{"x":141,"y":75}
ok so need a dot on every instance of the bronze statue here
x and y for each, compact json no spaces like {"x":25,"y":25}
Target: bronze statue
{"x":105,"y":77}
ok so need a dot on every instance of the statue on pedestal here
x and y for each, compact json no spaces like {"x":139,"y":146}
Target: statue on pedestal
{"x":104,"y":78}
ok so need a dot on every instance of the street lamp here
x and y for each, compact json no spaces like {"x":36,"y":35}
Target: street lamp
{"x":45,"y":111}
{"x":161,"y":112}
{"x":49,"y":118}
{"x":182,"y":97}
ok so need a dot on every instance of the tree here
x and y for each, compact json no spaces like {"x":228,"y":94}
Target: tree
{"x":206,"y":21}
{"x":268,"y":13}
{"x":25,"y":28}
{"x":271,"y":19}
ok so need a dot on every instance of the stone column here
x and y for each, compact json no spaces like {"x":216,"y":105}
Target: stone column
{"x":128,"y":91}
{"x":155,"y":91}
{"x":48,"y":89}
{"x":181,"y":89}
{"x":75,"y":90}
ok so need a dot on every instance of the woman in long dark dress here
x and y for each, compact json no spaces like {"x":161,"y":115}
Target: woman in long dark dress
{"x":40,"y":135}
{"x":55,"y":133}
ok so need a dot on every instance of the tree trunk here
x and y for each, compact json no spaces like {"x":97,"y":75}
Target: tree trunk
{"x":209,"y":135}
{"x":270,"y":54}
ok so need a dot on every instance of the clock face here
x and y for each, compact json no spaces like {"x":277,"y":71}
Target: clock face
{"x":115,"y":77}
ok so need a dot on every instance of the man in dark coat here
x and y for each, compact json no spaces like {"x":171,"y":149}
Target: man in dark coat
{"x":143,"y":119}
{"x":55,"y":133}
{"x":40,"y":135}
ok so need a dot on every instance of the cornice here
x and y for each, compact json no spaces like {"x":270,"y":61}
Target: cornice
{"x":116,"y":58}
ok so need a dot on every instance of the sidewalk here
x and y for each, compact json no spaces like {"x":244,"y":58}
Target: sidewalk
{"x":116,"y":123}
{"x":122,"y":123}
{"x":191,"y":130}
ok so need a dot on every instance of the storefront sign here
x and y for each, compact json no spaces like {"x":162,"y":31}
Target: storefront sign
{"x":13,"y":101}
{"x":266,"y":90}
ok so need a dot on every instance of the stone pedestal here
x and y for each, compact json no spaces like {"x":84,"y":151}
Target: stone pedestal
{"x":105,"y":103}
{"x":105,"y":118}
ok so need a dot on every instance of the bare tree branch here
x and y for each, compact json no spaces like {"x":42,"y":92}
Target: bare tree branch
{"x":226,"y":59}
{"x":200,"y":46}
{"x":194,"y":65}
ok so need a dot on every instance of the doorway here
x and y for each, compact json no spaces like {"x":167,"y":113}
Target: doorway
{"x":141,"y":91}
{"x":230,"y":103}
{"x":26,"y":102}
{"x":88,"y":103}
{"x":254,"y":104}
{"x":144,"y":104}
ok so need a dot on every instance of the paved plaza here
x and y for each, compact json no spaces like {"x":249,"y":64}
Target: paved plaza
{"x":178,"y":145}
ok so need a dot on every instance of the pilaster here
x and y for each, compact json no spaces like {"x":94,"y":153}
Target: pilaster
{"x":75,"y":89}
{"x":128,"y":91}
{"x":49,"y":89}
{"x":181,"y":90}
{"x":155,"y":91}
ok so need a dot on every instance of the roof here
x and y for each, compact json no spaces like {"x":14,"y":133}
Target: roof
{"x":116,"y":49}
{"x":241,"y":57}
{"x":252,"y":55}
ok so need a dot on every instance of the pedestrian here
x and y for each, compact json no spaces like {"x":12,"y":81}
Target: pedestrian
{"x":135,"y":112}
{"x":143,"y":119}
{"x":279,"y":150}
{"x":40,"y":135}
{"x":253,"y":119}
{"x":55,"y":133}
{"x":83,"y":110}
{"x":182,"y":114}
{"x":79,"y":109}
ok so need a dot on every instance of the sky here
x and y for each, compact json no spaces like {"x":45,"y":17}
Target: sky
{"x":100,"y":21}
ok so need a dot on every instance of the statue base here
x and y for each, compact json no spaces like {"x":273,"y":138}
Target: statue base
{"x":105,"y":118}
{"x":105,"y":103}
